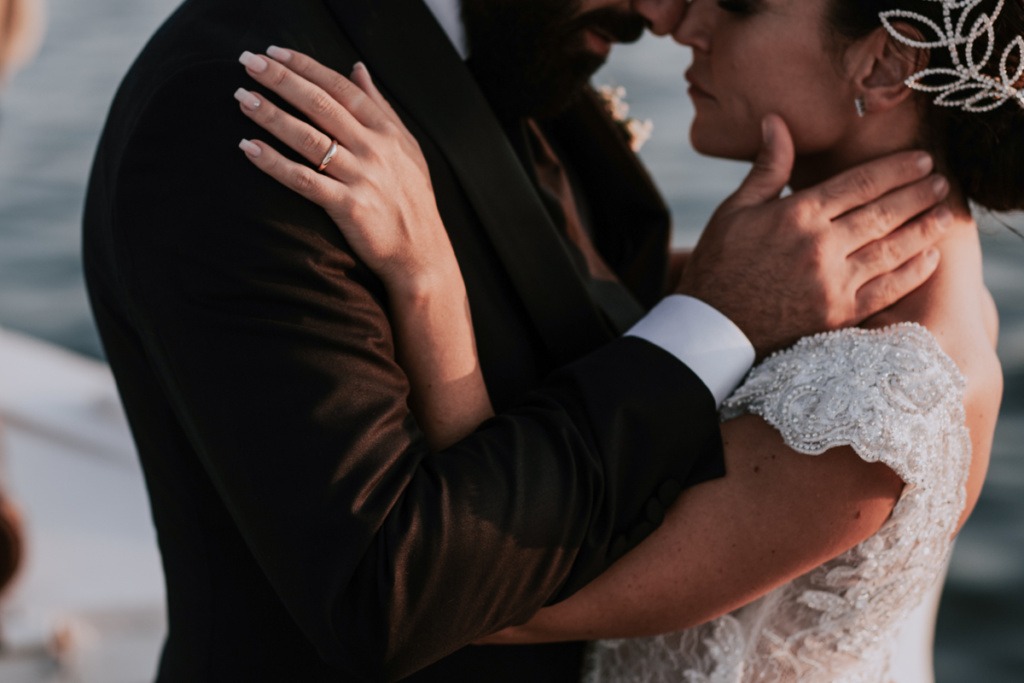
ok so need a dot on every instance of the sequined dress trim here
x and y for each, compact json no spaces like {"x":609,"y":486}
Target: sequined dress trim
{"x":895,"y":397}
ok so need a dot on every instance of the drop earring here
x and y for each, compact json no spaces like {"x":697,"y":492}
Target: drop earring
{"x":860,"y":105}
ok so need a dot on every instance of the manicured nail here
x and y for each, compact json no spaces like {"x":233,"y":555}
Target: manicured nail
{"x":279,"y":53}
{"x":940,"y":186}
{"x":250,"y":148}
{"x":360,"y":68}
{"x":943,"y":216}
{"x":924,"y":162}
{"x":932,"y":255}
{"x":248,"y":99}
{"x":767,"y":133}
{"x":254,"y":63}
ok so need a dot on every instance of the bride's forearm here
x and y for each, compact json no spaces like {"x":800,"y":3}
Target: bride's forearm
{"x":776,"y":515}
{"x":437,"y":349}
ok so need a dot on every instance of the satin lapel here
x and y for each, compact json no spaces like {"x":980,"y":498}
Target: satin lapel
{"x":629,"y":218}
{"x":410,"y":56}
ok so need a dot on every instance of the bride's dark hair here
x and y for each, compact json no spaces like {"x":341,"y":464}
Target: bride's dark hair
{"x":984,"y":152}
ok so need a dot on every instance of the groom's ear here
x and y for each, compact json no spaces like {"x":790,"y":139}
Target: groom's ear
{"x":881,"y":66}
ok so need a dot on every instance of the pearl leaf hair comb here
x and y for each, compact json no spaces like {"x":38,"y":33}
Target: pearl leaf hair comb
{"x":965,"y":85}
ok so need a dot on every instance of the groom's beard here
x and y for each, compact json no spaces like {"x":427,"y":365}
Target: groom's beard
{"x":530,"y":56}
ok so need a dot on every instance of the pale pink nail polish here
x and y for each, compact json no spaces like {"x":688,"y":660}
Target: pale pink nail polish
{"x":250,"y":148}
{"x":924,"y":162}
{"x":279,"y":53}
{"x":359,"y":67}
{"x":254,"y":63}
{"x":248,"y":99}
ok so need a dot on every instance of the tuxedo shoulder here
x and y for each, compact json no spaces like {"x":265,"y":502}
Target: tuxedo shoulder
{"x":203,"y":34}
{"x":172,"y":188}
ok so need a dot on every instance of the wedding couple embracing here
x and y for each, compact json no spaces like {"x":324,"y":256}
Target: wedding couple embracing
{"x":421,"y":393}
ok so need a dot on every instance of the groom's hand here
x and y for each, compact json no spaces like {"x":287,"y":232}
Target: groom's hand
{"x":822,"y":258}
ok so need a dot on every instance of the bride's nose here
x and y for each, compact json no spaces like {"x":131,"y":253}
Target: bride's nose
{"x":694,"y":29}
{"x":663,"y":16}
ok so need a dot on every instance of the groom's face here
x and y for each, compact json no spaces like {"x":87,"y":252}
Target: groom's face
{"x":532,"y":57}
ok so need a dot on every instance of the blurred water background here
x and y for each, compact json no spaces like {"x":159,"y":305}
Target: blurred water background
{"x":50,"y":120}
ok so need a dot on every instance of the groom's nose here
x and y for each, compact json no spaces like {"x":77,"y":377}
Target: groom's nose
{"x":662,"y":15}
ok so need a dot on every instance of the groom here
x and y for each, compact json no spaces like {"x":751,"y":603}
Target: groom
{"x":306,"y":531}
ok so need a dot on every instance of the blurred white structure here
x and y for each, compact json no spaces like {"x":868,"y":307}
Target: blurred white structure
{"x":88,"y":605}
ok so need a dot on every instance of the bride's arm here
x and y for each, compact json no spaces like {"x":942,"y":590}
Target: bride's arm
{"x":377,"y":189}
{"x":777,"y":515}
{"x":726,"y":542}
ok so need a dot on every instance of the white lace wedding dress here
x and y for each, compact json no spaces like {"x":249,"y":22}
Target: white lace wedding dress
{"x":895,"y":397}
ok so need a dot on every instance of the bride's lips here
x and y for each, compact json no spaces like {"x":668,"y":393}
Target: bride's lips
{"x":695,"y":90}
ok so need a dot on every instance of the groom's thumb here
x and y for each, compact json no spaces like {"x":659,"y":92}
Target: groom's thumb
{"x":773,"y":165}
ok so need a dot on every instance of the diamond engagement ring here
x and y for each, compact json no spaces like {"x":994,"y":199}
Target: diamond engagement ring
{"x":331,"y":151}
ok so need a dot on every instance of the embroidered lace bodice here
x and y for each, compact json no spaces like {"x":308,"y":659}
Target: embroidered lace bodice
{"x":894,"y":397}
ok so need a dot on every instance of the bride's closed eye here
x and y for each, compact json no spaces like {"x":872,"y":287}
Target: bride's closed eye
{"x":738,"y":6}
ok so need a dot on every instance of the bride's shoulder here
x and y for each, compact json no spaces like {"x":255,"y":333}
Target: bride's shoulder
{"x":990,"y":316}
{"x":972,"y":347}
{"x":966,"y":328}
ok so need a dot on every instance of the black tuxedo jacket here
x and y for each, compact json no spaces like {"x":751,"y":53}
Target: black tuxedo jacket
{"x":307,"y":532}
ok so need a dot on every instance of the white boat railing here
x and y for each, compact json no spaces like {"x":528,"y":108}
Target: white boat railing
{"x":89,"y":603}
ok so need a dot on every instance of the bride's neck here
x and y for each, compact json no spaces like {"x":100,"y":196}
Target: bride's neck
{"x":872,"y":137}
{"x":864,"y":139}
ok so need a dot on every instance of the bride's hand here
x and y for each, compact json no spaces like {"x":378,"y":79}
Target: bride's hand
{"x":376,"y":186}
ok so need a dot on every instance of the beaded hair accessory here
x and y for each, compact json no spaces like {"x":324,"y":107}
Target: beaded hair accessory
{"x":965,"y":85}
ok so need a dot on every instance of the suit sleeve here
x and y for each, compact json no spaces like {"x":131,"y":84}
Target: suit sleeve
{"x":272,"y":344}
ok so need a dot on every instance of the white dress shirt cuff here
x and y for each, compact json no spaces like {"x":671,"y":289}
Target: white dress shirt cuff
{"x":705,"y":340}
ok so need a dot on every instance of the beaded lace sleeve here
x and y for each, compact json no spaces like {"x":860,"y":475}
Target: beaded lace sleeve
{"x":891,"y":394}
{"x":894,"y":396}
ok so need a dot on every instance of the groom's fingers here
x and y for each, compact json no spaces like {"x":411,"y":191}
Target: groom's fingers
{"x":885,"y":290}
{"x":772,"y":167}
{"x":309,"y":142}
{"x":900,"y":246}
{"x":880,"y":217}
{"x":864,"y":184}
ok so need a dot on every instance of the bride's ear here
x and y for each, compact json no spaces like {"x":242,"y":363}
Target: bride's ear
{"x":880,"y":66}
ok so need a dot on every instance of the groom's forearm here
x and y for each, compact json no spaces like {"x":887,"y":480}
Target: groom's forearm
{"x":391,"y":556}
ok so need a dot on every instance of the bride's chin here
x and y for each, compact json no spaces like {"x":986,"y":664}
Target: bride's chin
{"x":723,"y":147}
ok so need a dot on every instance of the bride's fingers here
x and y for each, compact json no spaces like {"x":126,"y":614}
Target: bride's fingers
{"x":368,"y":110}
{"x":326,"y":110}
{"x":309,"y":142}
{"x":361,"y":77}
{"x":316,"y":187}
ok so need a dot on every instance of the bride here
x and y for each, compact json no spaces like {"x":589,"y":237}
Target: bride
{"x":913,"y":393}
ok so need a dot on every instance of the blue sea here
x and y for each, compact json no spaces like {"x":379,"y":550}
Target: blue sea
{"x":50,"y":118}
